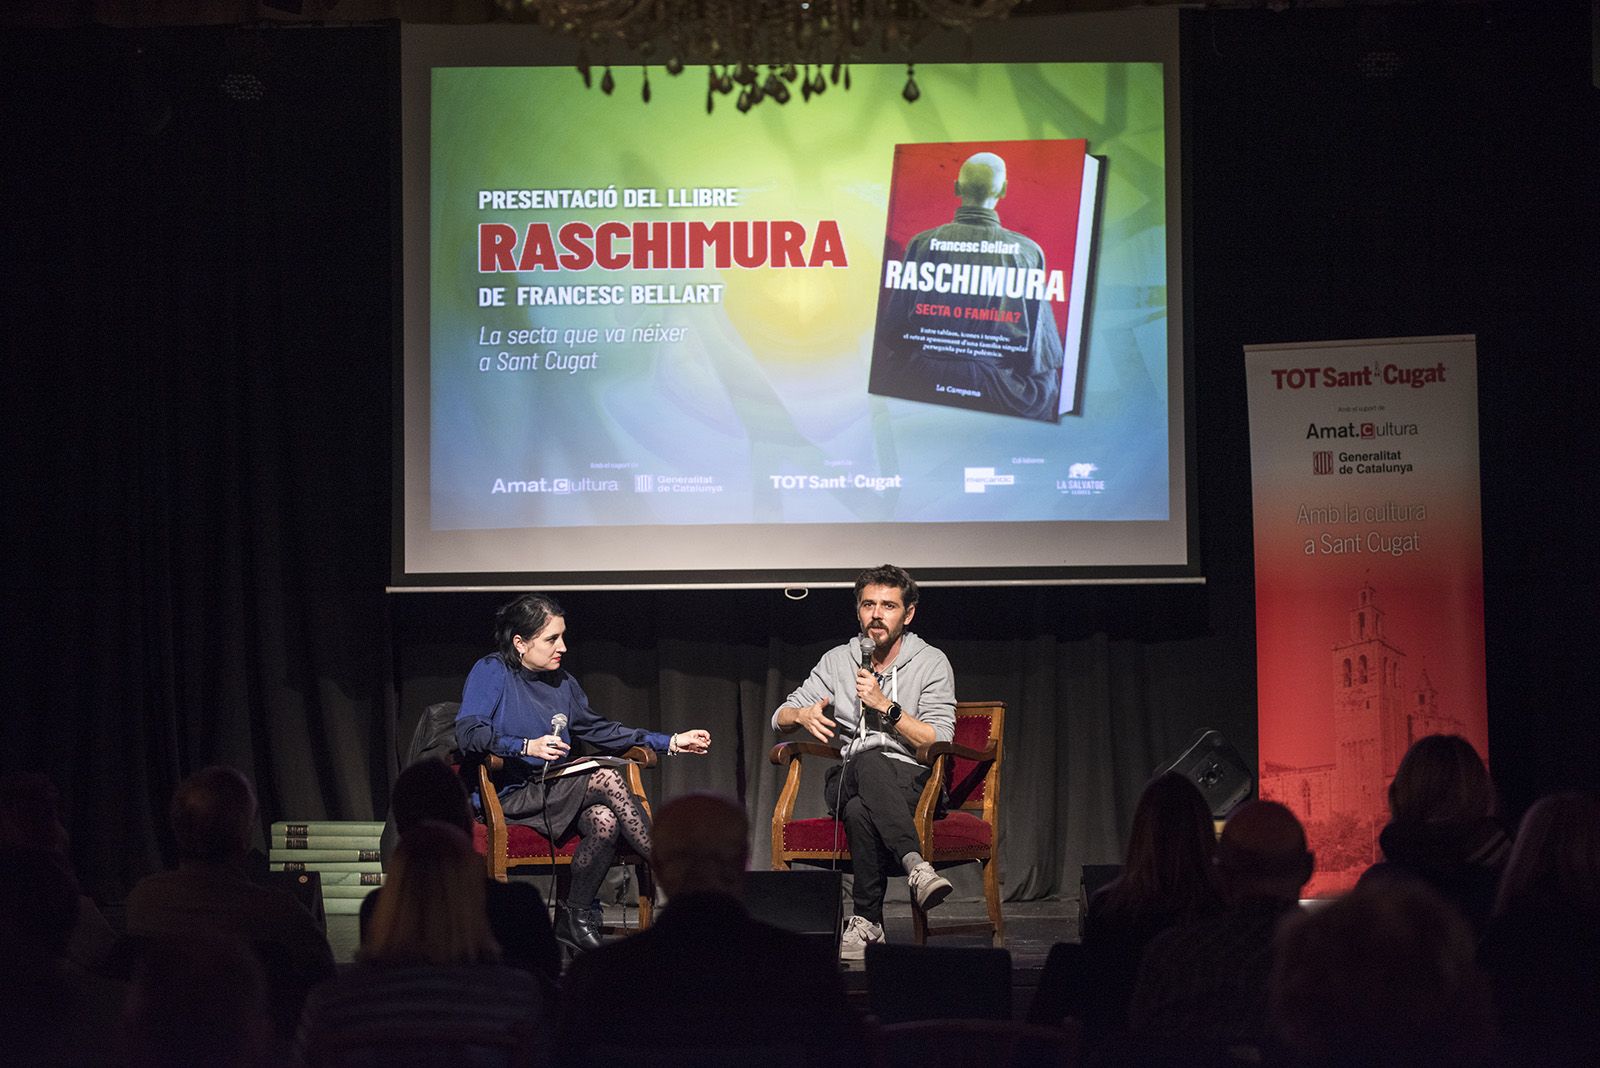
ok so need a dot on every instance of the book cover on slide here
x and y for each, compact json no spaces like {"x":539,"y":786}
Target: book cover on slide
{"x":986,"y":267}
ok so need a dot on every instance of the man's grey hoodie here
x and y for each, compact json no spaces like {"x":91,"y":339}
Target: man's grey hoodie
{"x":920,"y":679}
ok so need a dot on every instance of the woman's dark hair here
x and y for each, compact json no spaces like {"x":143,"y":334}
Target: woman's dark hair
{"x":524,"y":617}
{"x":1440,"y":779}
{"x":1556,"y":861}
{"x":432,"y":907}
{"x":1168,"y":870}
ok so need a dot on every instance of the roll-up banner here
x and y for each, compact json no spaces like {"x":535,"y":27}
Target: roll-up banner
{"x":1369,"y":575}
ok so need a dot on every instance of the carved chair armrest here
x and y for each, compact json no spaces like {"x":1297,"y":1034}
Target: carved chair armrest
{"x":939,"y":754}
{"x":784,"y":752}
{"x":928,"y":753}
{"x":645,"y":758}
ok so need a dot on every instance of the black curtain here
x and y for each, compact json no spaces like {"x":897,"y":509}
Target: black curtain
{"x":198,"y":278}
{"x":198,"y":329}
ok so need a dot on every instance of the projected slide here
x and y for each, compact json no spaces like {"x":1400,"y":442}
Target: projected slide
{"x":646,"y":345}
{"x":825,"y":320}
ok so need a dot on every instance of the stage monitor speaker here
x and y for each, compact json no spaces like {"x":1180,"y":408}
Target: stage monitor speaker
{"x":808,"y":902}
{"x":1217,"y":769}
{"x":910,"y":982}
{"x":1093,"y":878}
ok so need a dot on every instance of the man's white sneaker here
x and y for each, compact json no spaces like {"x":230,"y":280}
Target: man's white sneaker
{"x":858,"y":933}
{"x":928,"y":887}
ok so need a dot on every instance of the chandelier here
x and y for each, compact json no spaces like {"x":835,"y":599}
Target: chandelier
{"x":765,"y":49}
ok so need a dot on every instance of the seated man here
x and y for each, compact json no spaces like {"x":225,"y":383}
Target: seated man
{"x":702,"y":984}
{"x":889,"y":692}
{"x":210,"y":895}
{"x":429,"y":791}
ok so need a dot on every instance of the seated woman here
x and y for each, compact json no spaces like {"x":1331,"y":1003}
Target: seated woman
{"x":427,"y":979}
{"x":1441,"y":827}
{"x":1167,"y":879}
{"x":510,"y":707}
{"x":1542,"y":948}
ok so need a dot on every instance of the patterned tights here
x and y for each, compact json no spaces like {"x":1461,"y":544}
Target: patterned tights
{"x":610,"y":811}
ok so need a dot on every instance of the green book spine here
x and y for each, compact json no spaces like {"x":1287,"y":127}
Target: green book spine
{"x":325,"y":841}
{"x":341,"y":906}
{"x":345,"y":891}
{"x":351,"y":878}
{"x":372,"y":866}
{"x":302,"y":828}
{"x":323,"y":854}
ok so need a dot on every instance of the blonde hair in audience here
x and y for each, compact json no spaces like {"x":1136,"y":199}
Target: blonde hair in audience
{"x":431,"y":910}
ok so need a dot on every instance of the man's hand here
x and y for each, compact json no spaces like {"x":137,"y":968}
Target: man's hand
{"x":695,"y":741}
{"x":811,"y":717}
{"x":870,"y":693}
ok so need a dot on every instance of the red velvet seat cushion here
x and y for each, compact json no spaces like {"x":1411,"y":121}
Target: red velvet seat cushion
{"x":957,"y":832}
{"x":523,"y":842}
{"x":961,"y":832}
{"x":815,"y":836}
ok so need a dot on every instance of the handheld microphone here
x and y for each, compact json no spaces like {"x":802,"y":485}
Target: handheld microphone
{"x":558,"y":723}
{"x":867,"y":646}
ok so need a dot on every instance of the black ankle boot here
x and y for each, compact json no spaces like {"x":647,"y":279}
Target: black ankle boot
{"x":577,"y":929}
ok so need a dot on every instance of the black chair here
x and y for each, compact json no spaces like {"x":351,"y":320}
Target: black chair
{"x":1060,"y":983}
{"x":975,"y":1044}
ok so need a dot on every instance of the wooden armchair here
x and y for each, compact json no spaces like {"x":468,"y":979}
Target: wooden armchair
{"x":513,"y":845}
{"x":970,"y":831}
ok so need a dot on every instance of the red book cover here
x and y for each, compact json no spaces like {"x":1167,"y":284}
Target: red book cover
{"x":987,"y":259}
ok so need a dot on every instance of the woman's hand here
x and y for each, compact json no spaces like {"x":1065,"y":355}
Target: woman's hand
{"x":547,"y":748}
{"x":690,"y":742}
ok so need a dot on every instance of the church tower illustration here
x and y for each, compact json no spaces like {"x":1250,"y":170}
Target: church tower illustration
{"x":1370,"y":721}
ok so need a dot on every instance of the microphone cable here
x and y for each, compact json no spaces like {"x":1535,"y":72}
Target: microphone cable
{"x":867,"y":647}
{"x":558,"y":723}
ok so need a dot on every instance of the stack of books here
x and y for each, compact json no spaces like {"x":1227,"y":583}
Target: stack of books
{"x":343,"y":852}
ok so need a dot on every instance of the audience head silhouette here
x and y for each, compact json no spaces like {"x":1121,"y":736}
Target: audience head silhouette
{"x":30,"y":813}
{"x":429,"y":790}
{"x":431,"y":910}
{"x":1262,"y":853}
{"x":701,"y":845}
{"x":1555,"y":863}
{"x":1441,"y":779}
{"x":213,"y":814}
{"x":1385,"y":976}
{"x":1170,"y":848}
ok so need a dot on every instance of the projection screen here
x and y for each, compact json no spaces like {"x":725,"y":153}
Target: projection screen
{"x":643,"y":345}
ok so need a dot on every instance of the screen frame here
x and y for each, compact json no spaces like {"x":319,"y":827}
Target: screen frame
{"x":1130,"y":36}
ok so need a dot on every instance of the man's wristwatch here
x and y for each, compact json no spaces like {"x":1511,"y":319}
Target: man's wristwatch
{"x":891,"y":715}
